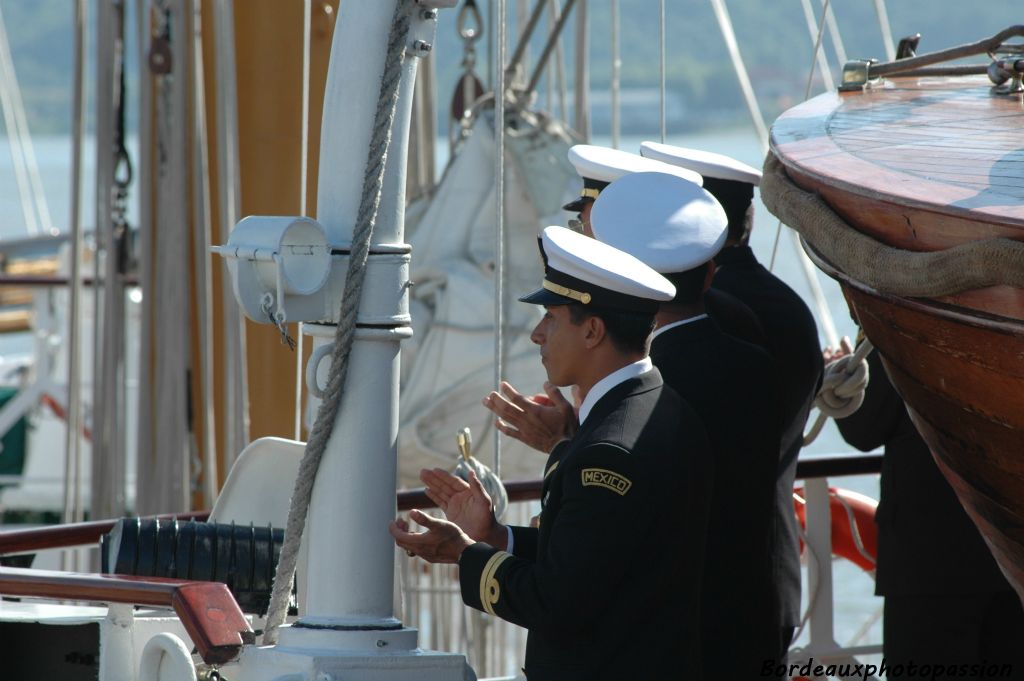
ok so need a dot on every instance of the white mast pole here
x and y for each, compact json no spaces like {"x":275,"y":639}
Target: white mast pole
{"x":349,"y":622}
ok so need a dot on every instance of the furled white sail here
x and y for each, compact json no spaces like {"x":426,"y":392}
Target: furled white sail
{"x":447,"y":367}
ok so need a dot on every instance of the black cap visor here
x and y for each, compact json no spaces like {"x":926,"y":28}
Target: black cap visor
{"x":577,"y":205}
{"x":542,"y":296}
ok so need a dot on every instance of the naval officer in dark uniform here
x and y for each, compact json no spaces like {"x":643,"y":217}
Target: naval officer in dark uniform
{"x":677,"y":228}
{"x":791,"y":338}
{"x":609,"y":584}
{"x":946,"y":602}
{"x":600,"y":166}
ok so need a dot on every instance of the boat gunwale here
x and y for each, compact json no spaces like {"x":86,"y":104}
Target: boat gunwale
{"x":822,"y":110}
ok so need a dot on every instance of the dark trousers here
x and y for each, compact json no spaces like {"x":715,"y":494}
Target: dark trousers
{"x":968,"y":635}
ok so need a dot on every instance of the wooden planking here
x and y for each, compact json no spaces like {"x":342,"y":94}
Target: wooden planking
{"x":938,"y":145}
{"x":1009,"y":554}
{"x":963,"y":382}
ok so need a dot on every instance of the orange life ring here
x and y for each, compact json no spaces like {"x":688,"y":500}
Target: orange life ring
{"x":854,"y":533}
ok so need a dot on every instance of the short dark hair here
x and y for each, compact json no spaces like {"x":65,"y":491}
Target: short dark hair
{"x":689,"y":284}
{"x":628,"y":331}
{"x":735,"y":198}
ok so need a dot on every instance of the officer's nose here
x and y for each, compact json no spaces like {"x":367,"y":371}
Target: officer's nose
{"x":537,"y":335}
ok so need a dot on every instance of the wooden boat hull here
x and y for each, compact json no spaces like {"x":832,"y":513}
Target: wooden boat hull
{"x":958,"y":361}
{"x":964,"y":386}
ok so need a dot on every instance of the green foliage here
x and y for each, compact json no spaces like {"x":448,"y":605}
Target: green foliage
{"x":772,"y":34}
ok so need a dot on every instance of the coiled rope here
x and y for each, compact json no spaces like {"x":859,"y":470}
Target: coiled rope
{"x":373,"y":182}
{"x":842,"y":387}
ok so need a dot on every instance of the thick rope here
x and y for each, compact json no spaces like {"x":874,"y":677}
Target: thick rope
{"x":894,"y":271}
{"x":373,"y":182}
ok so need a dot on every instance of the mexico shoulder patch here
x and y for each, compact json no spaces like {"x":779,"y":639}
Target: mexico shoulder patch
{"x":599,"y":477}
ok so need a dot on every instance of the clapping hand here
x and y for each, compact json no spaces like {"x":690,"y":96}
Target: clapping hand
{"x":443,"y":542}
{"x":541,"y":421}
{"x":465,"y":504}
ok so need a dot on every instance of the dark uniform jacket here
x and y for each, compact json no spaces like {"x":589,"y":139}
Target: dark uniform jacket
{"x":734,"y":317}
{"x":730,"y":385}
{"x":609,"y":584}
{"x":927,"y":545}
{"x":792,"y":338}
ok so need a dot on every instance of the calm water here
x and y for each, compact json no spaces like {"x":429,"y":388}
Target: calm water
{"x":855,"y":603}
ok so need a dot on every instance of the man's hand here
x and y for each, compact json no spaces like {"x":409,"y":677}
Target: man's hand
{"x":443,"y":542}
{"x":541,"y":421}
{"x":845,"y":348}
{"x":466,"y":504}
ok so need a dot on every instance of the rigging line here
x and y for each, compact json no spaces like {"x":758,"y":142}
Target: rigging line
{"x":499,"y":200}
{"x":21,"y":130}
{"x":72,"y":440}
{"x":807,"y":95}
{"x":815,"y":29}
{"x":729,"y":36}
{"x":526,"y":32}
{"x":833,"y":31}
{"x":549,"y":46}
{"x":563,"y":94}
{"x":581,"y":81}
{"x":661,"y":67}
{"x":886,"y":30}
{"x":15,"y":139}
{"x":107,"y":41}
{"x":146,"y":368}
{"x":616,"y":75}
{"x":307,"y":21}
{"x":235,"y":380}
{"x":824,"y":315}
{"x":545,"y":54}
{"x":204,"y":265}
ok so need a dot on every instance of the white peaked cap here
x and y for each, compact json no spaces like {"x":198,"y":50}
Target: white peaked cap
{"x":578,"y":269}
{"x":707,"y":163}
{"x":669,"y":223}
{"x":607,"y":165}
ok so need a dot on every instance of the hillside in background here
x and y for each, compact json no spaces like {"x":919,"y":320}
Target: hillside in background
{"x":772,"y":34}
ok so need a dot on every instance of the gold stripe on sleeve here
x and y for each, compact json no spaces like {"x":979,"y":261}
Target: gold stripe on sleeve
{"x":490,"y":590}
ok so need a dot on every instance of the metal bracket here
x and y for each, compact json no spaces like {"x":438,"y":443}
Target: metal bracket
{"x":856,"y":75}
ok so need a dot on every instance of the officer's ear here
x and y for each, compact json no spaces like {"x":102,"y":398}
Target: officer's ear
{"x":709,"y":275}
{"x":594,"y":331}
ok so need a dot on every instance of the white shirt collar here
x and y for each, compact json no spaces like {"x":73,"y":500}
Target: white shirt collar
{"x":662,"y":329}
{"x":618,"y":376}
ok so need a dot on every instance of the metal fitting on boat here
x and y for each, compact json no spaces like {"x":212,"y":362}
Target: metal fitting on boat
{"x":856,"y":75}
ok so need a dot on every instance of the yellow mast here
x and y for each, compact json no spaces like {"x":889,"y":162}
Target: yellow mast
{"x":268,"y":53}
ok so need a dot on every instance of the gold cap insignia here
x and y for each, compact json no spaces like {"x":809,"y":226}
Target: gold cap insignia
{"x":567,"y":292}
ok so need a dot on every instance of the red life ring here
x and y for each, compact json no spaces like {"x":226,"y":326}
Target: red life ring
{"x":854,"y":533}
